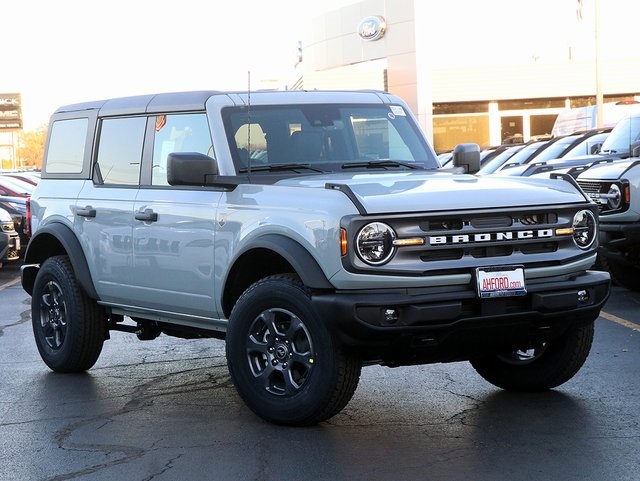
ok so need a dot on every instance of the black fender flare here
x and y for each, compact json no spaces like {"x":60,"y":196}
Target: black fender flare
{"x":295,"y":254}
{"x":40,"y":248}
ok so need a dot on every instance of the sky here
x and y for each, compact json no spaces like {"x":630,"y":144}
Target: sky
{"x":57,"y":52}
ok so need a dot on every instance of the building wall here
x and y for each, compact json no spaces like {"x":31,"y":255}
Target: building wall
{"x":448,"y":58}
{"x":334,"y":49}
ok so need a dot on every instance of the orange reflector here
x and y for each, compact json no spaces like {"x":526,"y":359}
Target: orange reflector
{"x":414,"y":241}
{"x":343,"y":242}
{"x":567,"y":231}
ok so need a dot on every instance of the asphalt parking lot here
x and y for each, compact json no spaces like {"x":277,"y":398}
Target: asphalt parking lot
{"x":166,"y":410}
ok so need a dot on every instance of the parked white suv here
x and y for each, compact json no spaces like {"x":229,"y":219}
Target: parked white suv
{"x":315,"y":233}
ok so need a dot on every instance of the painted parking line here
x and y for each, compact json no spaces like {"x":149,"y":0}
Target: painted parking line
{"x":621,"y":321}
{"x":9,"y":284}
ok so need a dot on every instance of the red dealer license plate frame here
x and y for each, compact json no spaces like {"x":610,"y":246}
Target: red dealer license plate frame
{"x":502,"y":281}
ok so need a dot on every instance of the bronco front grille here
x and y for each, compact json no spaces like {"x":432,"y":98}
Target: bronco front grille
{"x":590,"y":187}
{"x":474,"y":238}
{"x":600,"y":193}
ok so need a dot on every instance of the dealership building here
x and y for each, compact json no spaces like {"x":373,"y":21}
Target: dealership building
{"x":469,"y":75}
{"x":10,"y":125}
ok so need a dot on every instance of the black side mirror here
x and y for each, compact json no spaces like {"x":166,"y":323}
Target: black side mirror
{"x":190,"y":168}
{"x":634,"y":149}
{"x":467,"y":156}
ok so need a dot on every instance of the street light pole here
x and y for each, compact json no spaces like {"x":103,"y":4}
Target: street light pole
{"x":599,"y":96}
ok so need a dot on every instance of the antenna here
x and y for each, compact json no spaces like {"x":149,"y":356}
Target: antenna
{"x":249,"y":125}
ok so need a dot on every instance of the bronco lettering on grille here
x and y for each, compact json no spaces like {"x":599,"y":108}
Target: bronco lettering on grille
{"x":490,"y":236}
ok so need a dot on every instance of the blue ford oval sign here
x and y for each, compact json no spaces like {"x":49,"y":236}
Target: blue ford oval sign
{"x":372,"y":28}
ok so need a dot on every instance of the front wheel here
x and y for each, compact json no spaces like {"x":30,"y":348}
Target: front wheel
{"x":68,"y":326}
{"x":284,"y":362}
{"x":540,"y":366}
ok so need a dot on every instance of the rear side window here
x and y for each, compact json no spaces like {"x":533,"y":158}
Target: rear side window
{"x":120,"y":151}
{"x":66,"y":146}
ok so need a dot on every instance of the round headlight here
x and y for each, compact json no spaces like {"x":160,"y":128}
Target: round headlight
{"x":614,"y":197}
{"x":374,"y":243}
{"x":584,"y":229}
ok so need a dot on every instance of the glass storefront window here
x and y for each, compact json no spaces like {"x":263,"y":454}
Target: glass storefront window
{"x":450,"y":131}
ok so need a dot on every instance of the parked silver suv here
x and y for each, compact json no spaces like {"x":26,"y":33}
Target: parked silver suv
{"x":315,"y":234}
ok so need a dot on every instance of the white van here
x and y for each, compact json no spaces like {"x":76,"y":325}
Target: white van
{"x":586,"y":118}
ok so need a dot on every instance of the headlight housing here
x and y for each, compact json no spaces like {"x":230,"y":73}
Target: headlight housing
{"x":374,"y":243}
{"x":584,"y":229}
{"x":614,"y":197}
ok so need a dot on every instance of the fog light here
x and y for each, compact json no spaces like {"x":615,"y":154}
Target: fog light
{"x":583,"y":296}
{"x":391,"y":316}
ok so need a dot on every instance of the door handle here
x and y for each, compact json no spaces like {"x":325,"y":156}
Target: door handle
{"x":147,"y":215}
{"x":87,"y":211}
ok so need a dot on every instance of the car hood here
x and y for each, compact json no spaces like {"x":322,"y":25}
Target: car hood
{"x":5,"y":216}
{"x":610,"y":170}
{"x":420,"y":191}
{"x":557,"y":165}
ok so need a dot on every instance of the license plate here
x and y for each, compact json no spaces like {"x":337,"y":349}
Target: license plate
{"x":501,"y":281}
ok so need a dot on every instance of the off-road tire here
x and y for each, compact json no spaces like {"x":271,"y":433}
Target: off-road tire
{"x":555,"y":362}
{"x":69,"y":327}
{"x":283,"y":360}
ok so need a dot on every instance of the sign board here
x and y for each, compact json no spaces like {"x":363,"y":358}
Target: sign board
{"x":10,"y":112}
{"x":372,"y":28}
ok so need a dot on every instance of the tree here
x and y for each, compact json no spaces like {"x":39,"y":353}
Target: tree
{"x":31,"y":150}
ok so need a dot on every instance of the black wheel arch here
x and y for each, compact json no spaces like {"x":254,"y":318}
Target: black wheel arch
{"x":51,"y":240}
{"x":267,"y":255}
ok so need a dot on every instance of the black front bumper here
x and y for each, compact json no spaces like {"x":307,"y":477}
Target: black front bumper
{"x":418,"y":326}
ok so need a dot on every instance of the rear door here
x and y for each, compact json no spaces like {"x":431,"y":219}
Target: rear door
{"x":104,"y":208}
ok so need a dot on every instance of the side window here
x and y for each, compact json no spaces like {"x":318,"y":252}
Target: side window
{"x":178,"y":133}
{"x":120,"y":151}
{"x":66,"y":146}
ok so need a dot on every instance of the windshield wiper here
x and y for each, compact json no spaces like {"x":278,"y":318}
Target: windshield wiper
{"x":278,"y":168}
{"x":380,"y":164}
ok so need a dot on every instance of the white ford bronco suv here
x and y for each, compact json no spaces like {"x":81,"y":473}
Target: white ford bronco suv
{"x":315,"y":234}
{"x":615,"y":187}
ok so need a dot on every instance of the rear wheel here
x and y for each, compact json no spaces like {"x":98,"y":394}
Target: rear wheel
{"x":68,"y":326}
{"x":540,"y":366}
{"x":284,"y":362}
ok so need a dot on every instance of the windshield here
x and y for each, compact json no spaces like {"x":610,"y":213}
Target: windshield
{"x":555,"y":150}
{"x":587,"y":146}
{"x":623,"y":134}
{"x":325,"y":137}
{"x":523,"y":154}
{"x":496,"y":162}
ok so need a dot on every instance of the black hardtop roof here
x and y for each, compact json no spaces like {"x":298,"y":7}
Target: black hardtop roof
{"x":145,"y":103}
{"x":177,"y":101}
